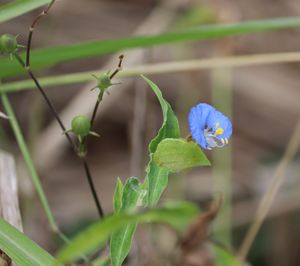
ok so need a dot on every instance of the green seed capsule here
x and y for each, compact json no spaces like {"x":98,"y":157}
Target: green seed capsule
{"x":8,"y":43}
{"x":81,"y":126}
{"x":104,"y":81}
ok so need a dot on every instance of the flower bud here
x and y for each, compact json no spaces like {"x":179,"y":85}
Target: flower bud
{"x":104,"y":81}
{"x":8,"y":43}
{"x":81,"y":126}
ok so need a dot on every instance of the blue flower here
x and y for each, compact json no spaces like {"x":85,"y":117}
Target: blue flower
{"x":209,"y":127}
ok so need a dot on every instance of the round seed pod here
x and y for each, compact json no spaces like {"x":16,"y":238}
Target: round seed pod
{"x":8,"y":43}
{"x":81,"y":126}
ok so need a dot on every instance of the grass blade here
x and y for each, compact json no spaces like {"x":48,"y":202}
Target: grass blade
{"x":28,"y":160}
{"x":46,"y":57}
{"x":21,"y":249}
{"x":19,"y":7}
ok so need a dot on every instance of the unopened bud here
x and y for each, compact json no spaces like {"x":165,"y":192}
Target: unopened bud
{"x":8,"y":43}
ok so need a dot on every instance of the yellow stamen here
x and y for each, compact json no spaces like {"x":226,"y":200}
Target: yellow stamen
{"x":219,"y":131}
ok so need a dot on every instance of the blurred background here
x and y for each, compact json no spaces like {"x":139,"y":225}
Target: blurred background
{"x":263,"y":101}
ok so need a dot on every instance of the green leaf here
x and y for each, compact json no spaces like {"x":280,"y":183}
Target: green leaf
{"x":131,"y":194}
{"x":19,"y":7}
{"x":46,"y":57}
{"x":178,"y":215}
{"x":21,"y":249}
{"x":157,"y":180}
{"x":179,"y":154}
{"x":120,"y":244}
{"x":157,"y":177}
{"x":121,"y":240}
{"x":117,"y":200}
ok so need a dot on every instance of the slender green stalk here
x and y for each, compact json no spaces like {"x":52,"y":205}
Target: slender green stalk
{"x":28,"y":160}
{"x":159,"y":68}
{"x":222,"y":173}
{"x":31,"y":168}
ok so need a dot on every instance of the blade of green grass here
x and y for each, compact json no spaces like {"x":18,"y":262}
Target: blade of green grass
{"x":178,"y":215}
{"x":21,"y":249}
{"x":159,"y":68}
{"x":46,"y":57}
{"x":28,"y":160}
{"x":19,"y":7}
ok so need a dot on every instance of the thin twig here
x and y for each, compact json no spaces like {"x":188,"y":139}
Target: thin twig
{"x":99,"y":99}
{"x":84,"y":142}
{"x":92,"y":186}
{"x":27,"y":67}
{"x":119,"y":68}
{"x":100,"y":95}
{"x":31,"y":29}
{"x":48,"y":101}
{"x":269,"y":196}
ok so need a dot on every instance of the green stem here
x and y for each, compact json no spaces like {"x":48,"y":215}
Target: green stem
{"x":28,"y":160}
{"x":31,"y":168}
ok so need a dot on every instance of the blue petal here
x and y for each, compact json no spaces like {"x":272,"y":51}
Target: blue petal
{"x":223,"y":121}
{"x":197,"y":118}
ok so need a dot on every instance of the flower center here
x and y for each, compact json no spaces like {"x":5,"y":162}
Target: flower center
{"x":219,"y":131}
{"x":212,"y":137}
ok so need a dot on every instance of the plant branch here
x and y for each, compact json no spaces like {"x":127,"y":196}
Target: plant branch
{"x":48,"y":101}
{"x":100,"y":95}
{"x":92,"y":186}
{"x":99,"y":99}
{"x":27,"y":67}
{"x":31,"y":30}
{"x":84,"y":142}
{"x":119,"y":68}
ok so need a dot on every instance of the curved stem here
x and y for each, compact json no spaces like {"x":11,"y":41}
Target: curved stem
{"x":31,"y":29}
{"x":48,"y":101}
{"x":27,"y":67}
{"x":56,"y":115}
